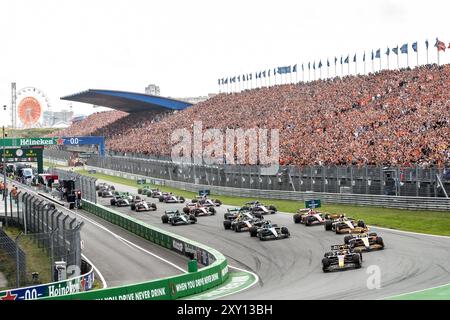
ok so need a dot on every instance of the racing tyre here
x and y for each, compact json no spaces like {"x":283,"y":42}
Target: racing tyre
{"x":227,"y":224}
{"x":165,"y":218}
{"x":253,"y":231}
{"x":161,"y":199}
{"x":325,"y":264}
{"x":133,"y":206}
{"x":192,"y":219}
{"x":212,"y":210}
{"x":237,"y":228}
{"x":140,"y":191}
{"x":328,"y":225}
{"x":361,"y":224}
{"x":153,"y":205}
{"x":97,"y":188}
{"x":308,"y":221}
{"x":99,"y":193}
{"x":217,"y":202}
{"x":258,"y":215}
{"x":380,"y":241}
{"x":297,"y":218}
{"x":182,"y":200}
{"x":245,"y":208}
{"x":357,"y":258}
{"x":327,"y":216}
{"x":112,"y":202}
{"x":194,"y":200}
{"x":112,"y":188}
{"x":372,"y":234}
{"x":273,"y":209}
{"x":347,"y":239}
{"x":186,"y":210}
{"x":285,"y":231}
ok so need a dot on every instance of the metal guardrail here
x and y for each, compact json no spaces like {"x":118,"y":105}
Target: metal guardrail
{"x":412,"y":203}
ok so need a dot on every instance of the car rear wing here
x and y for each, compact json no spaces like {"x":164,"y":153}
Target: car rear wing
{"x":171,"y":211}
{"x":339,"y":246}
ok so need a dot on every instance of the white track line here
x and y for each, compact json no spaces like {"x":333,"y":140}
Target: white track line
{"x":119,"y":237}
{"x":407,"y":293}
{"x":105,"y":285}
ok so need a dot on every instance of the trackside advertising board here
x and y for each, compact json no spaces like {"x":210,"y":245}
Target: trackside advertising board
{"x":81,"y":283}
{"x":214,"y":274}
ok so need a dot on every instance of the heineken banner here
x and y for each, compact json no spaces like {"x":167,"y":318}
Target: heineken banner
{"x":55,"y":141}
{"x":74,"y":285}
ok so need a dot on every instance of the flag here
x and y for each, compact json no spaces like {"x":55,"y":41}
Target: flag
{"x":414,"y":46}
{"x":388,"y":51}
{"x":404,"y":48}
{"x":328,"y":62}
{"x":226,"y":81}
{"x":243,"y":78}
{"x":346,"y":59}
{"x":259,"y":75}
{"x":395,"y":50}
{"x":426,"y":44}
{"x":264,"y":73}
{"x":303,"y":69}
{"x":251,"y":76}
{"x":218,"y":82}
{"x":309,"y":65}
{"x":335,"y":60}
{"x":320,"y":64}
{"x":439,"y":45}
{"x":314,"y":65}
{"x":274,"y":72}
{"x":372,"y":54}
{"x":268,"y":73}
{"x":377,"y":54}
{"x":295,"y":68}
{"x":354,"y":58}
{"x":341,"y":59}
{"x":286,"y":69}
{"x":364,"y":57}
{"x":239,"y":78}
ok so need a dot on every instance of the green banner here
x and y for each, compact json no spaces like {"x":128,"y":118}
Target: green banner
{"x":29,"y":142}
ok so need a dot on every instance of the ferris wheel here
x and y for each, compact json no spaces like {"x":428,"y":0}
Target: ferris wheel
{"x":31,"y":104}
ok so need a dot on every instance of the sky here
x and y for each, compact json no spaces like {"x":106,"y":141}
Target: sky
{"x":63,"y":47}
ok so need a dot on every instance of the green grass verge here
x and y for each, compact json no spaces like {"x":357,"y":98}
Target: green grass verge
{"x":8,"y":269}
{"x":38,"y":259}
{"x":431,"y":222}
{"x":30,"y":133}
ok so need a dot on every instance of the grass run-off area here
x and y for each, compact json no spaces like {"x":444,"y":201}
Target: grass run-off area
{"x":431,"y":222}
{"x":37,"y":260}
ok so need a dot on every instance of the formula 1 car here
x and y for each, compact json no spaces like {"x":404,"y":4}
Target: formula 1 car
{"x":120,"y":199}
{"x":311,"y":217}
{"x":258,"y":209}
{"x":364,"y":242}
{"x":244,"y":223}
{"x":346,"y":225}
{"x":170,"y":198}
{"x":206,"y":202}
{"x":133,"y":199}
{"x":144,"y":206}
{"x":197,"y":210}
{"x":269,"y":231}
{"x":154,"y":193}
{"x":341,"y":257}
{"x":233,"y":213}
{"x":144,"y":190}
{"x":175,"y":217}
{"x":106,"y":193}
{"x":103,"y":186}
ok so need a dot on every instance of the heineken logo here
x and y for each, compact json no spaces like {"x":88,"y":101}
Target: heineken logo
{"x":36,"y":142}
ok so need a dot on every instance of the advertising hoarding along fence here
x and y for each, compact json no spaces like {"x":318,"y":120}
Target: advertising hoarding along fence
{"x":81,"y":283}
{"x":213,"y":274}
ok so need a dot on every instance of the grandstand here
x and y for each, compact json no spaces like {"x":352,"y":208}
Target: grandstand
{"x":392,"y":117}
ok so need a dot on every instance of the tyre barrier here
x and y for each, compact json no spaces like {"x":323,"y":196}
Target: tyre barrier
{"x":214,"y":272}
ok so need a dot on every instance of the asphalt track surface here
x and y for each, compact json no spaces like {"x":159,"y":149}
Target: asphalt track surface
{"x":114,"y":253}
{"x":291,"y":268}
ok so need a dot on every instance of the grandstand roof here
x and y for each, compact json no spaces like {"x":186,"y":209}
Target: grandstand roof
{"x":126,"y":101}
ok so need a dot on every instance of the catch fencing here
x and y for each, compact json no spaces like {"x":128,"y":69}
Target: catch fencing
{"x":369,"y":180}
{"x":83,"y":183}
{"x":55,"y":232}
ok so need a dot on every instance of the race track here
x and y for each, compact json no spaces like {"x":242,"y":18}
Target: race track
{"x":291,"y":268}
{"x":115,"y":253}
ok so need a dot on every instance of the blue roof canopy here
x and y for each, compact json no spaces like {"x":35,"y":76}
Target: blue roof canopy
{"x":127,"y":101}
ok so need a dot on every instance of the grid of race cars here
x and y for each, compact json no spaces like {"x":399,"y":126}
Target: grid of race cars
{"x":251,"y":218}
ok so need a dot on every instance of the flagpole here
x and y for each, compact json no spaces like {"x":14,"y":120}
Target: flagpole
{"x":335,"y":69}
{"x":417,"y":57}
{"x":356,"y":67}
{"x":364,"y":63}
{"x":438,"y":58}
{"x":427,"y":55}
{"x":380,"y":61}
{"x":348,"y":66}
{"x":328,"y":71}
{"x":342,"y":69}
{"x":309,"y":74}
{"x":407,"y":59}
{"x":388,"y":62}
{"x":296,"y":81}
{"x":398,"y":63}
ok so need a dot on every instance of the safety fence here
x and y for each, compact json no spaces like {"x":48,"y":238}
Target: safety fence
{"x":369,"y":180}
{"x":12,"y":254}
{"x":56,"y":233}
{"x":214,"y":272}
{"x":412,"y":203}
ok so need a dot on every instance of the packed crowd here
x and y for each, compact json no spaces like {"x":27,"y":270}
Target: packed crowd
{"x":397,"y":117}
